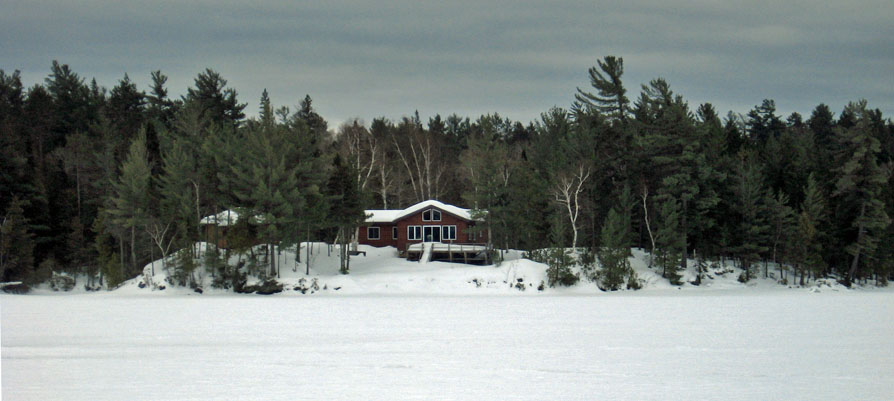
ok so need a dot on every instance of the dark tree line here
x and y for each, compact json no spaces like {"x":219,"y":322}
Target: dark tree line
{"x":100,"y":182}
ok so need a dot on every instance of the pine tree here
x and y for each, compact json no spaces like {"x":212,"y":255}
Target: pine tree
{"x":615,"y":250}
{"x":859,"y":185}
{"x":130,"y":202}
{"x":808,"y":244}
{"x":610,"y":98}
{"x":216,"y":103}
{"x":346,"y":210}
{"x":16,"y":244}
{"x":668,"y":240}
{"x":763,"y":123}
{"x":782,"y":219}
{"x":160,"y":108}
{"x":750,"y":207}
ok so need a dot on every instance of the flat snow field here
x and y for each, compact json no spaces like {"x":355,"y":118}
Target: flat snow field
{"x":661,"y":345}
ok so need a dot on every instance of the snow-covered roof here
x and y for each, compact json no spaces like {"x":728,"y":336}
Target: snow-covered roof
{"x":223,"y":219}
{"x":382,"y":215}
{"x":390,"y":216}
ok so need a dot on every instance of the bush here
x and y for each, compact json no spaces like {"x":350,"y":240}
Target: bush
{"x":633,"y":283}
{"x":15,"y":288}
{"x":184,"y":265}
{"x":561,"y":275}
{"x":267,"y":287}
{"x":61,"y":282}
{"x":44,"y":272}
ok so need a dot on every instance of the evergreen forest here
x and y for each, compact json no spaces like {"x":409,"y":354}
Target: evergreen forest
{"x":100,"y":181}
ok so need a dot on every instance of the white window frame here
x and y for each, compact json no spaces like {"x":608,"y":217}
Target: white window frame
{"x":414,"y":233}
{"x":394,"y":232}
{"x":431,"y":214}
{"x":369,"y":231}
{"x":446,"y":230}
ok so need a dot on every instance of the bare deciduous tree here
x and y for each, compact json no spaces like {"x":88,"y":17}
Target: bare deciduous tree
{"x":566,"y":192}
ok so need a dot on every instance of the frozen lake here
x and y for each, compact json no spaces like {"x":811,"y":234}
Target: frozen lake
{"x":657,"y":345}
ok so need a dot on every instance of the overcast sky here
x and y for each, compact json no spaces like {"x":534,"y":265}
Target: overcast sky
{"x":519,"y":58}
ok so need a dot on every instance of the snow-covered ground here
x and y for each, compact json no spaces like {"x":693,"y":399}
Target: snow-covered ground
{"x":380,"y":271}
{"x":663,"y":344}
{"x":394,"y":329}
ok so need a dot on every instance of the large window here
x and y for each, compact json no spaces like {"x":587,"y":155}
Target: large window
{"x":431,"y":215}
{"x":448,"y":233}
{"x":414,"y":233}
{"x":394,"y":232}
{"x":372,"y":233}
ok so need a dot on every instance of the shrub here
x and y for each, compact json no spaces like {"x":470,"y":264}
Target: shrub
{"x":15,"y":288}
{"x":561,"y":275}
{"x":633,"y":282}
{"x":266,"y":287}
{"x":61,"y":282}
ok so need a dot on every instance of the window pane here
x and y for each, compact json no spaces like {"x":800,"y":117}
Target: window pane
{"x":426,"y":215}
{"x":435,"y":215}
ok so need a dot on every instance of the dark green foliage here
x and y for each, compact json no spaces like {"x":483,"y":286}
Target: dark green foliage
{"x":859,"y":186}
{"x":613,"y":254}
{"x":216,"y":103}
{"x":763,"y":123}
{"x":753,"y":229}
{"x":667,"y":239}
{"x":182,"y":272}
{"x":266,"y":287}
{"x":559,"y":272}
{"x":346,"y":211}
{"x":738,"y":187}
{"x":807,"y":243}
{"x":610,"y":98}
{"x":16,"y":244}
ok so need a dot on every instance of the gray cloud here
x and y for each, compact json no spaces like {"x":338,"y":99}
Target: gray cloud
{"x":368,"y":59}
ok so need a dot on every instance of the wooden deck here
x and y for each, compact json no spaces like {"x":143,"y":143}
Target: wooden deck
{"x":449,"y":252}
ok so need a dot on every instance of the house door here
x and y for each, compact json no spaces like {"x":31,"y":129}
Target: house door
{"x":431,"y":233}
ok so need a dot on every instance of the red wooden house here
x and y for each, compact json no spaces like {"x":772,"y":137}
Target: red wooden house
{"x":429,"y":221}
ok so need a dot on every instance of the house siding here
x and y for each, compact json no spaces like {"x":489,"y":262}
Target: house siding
{"x":462,"y":230}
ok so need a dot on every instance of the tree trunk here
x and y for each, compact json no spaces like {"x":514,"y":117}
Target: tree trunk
{"x":133,"y":245}
{"x":860,"y":232}
{"x":648,"y":227}
{"x":685,"y":260}
{"x":121,"y":251}
{"x":78,"y":185}
{"x":307,"y":254}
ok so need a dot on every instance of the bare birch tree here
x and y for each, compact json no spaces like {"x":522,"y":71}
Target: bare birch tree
{"x":418,"y":152}
{"x":566,"y":192}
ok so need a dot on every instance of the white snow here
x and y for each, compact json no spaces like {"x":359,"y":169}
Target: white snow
{"x":656,"y":345}
{"x":223,"y":219}
{"x":394,"y":329}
